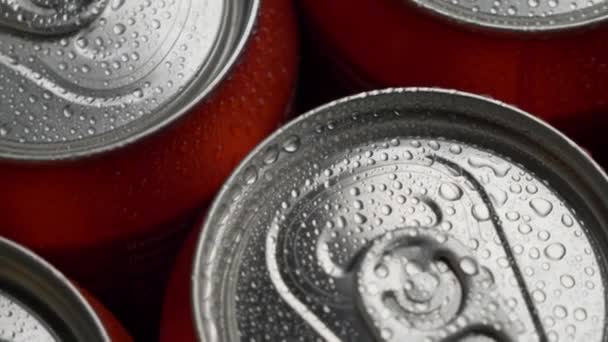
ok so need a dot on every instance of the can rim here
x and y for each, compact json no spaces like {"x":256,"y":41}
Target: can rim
{"x":590,"y":165}
{"x":57,"y":288}
{"x":508,"y":26}
{"x":229,"y":56}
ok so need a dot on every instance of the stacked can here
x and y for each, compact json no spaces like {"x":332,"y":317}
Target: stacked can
{"x":404,"y":215}
{"x":548,"y":57}
{"x":37,"y":303}
{"x":120,"y":118}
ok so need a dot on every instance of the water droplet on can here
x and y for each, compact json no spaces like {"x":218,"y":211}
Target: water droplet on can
{"x":541,"y":206}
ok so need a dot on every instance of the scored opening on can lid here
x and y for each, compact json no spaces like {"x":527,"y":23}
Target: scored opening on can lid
{"x":407,"y":214}
{"x":37,"y":303}
{"x":123,"y":70}
{"x":520,"y":15}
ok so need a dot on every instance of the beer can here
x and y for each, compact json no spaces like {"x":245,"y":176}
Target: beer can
{"x":118,"y":119}
{"x":411,"y":214}
{"x":547,"y":57}
{"x":38,"y":303}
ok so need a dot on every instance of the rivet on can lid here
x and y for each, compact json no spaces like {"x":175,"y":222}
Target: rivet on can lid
{"x":408,"y":214}
{"x":520,"y":15}
{"x":433,"y":278}
{"x":128,"y":70}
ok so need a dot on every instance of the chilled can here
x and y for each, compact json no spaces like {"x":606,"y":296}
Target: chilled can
{"x":38,"y":303}
{"x":120,"y":118}
{"x":412,"y":214}
{"x":548,"y":57}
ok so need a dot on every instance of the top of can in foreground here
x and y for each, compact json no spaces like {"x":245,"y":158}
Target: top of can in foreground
{"x":520,"y":15}
{"x":83,"y":77}
{"x":37,"y":303}
{"x":407,"y":215}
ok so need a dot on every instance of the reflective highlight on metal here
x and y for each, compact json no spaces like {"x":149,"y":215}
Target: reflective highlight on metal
{"x":441,"y":282}
{"x":37,"y":303}
{"x":519,"y":15}
{"x":129,"y":69}
{"x":18,"y":324}
{"x":49,"y":17}
{"x":407,"y":214}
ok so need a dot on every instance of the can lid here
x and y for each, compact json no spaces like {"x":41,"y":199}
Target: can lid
{"x":407,"y":215}
{"x":119,"y":71}
{"x":520,"y":15}
{"x":49,"y":17}
{"x":37,"y":303}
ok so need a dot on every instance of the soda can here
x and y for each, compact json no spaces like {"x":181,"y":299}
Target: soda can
{"x":119,"y":119}
{"x":410,"y":214}
{"x":547,"y":57}
{"x":38,"y":303}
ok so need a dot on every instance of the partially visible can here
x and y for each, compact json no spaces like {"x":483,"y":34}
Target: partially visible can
{"x":37,"y":303}
{"x":548,"y":57}
{"x":407,"y":215}
{"x":118,"y":119}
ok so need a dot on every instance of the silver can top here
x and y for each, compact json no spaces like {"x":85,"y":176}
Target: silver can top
{"x":37,"y":303}
{"x":17,"y":324}
{"x":80,"y":77}
{"x":407,"y":215}
{"x":520,"y":15}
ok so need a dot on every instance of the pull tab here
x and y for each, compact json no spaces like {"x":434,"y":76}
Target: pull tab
{"x":420,"y":285}
{"x":49,"y":17}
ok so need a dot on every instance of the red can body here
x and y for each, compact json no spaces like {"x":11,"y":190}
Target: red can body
{"x":113,"y":327}
{"x":177,"y":323}
{"x":559,"y":76}
{"x":112,"y":221}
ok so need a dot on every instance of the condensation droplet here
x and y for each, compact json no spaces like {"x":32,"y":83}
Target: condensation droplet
{"x":567,"y":220}
{"x":359,"y":218}
{"x":67,"y":112}
{"x":541,"y":206}
{"x":539,"y":296}
{"x":499,"y":170}
{"x":481,"y":212}
{"x":468,"y":266}
{"x":524,"y":228}
{"x":567,"y":281}
{"x":555,"y":251}
{"x":291,"y":144}
{"x":386,"y":333}
{"x":560,"y":311}
{"x":580,"y":314}
{"x":450,"y":191}
{"x":386,"y":209}
{"x":117,"y":4}
{"x":456,"y":149}
{"x":119,"y":29}
{"x":271,"y":155}
{"x":382,"y":271}
{"x":250,"y":175}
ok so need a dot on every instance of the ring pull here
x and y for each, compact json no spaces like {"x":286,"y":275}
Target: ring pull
{"x":420,"y":285}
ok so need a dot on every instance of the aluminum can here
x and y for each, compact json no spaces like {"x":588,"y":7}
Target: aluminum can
{"x":547,"y":57}
{"x":410,"y":214}
{"x":38,"y":303}
{"x":118,"y":119}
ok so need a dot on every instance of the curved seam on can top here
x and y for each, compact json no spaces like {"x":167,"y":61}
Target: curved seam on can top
{"x":207,"y":228}
{"x":229,"y":55}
